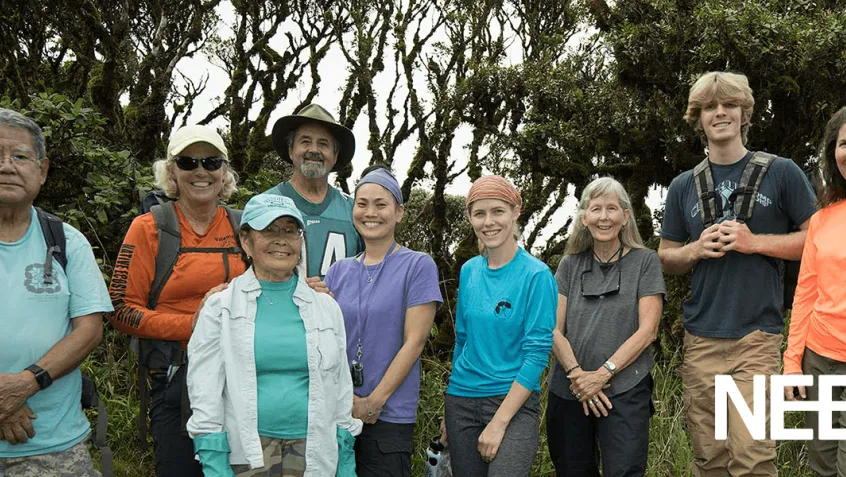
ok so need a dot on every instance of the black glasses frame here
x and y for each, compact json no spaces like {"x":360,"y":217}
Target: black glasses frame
{"x":188,"y":163}
{"x":611,"y":292}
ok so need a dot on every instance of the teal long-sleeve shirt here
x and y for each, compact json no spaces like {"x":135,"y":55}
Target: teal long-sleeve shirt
{"x":503,"y":326}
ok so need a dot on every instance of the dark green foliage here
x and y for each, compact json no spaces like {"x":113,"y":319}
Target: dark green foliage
{"x":553,"y":94}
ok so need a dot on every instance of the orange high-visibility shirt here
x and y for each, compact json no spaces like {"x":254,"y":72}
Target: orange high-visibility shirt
{"x":818,"y":321}
{"x":193,"y":275}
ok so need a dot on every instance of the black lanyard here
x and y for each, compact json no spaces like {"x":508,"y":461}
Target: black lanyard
{"x":362,"y":316}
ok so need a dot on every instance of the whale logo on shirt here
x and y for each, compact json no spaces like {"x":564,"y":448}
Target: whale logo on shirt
{"x":503,"y":310}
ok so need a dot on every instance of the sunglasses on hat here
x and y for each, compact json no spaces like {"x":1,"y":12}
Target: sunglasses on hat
{"x":188,"y":163}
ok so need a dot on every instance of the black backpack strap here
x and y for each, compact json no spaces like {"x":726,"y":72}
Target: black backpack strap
{"x":170,"y":240}
{"x":705,"y":192}
{"x":54,"y":236}
{"x":90,"y":400}
{"x":747,"y":191}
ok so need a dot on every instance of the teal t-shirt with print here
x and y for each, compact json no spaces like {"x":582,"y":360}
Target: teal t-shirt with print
{"x":281,"y":362}
{"x":36,"y":316}
{"x":329,"y":233}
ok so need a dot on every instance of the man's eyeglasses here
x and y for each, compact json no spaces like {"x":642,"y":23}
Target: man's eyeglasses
{"x":603,"y":289}
{"x":188,"y":163}
{"x":18,"y":159}
{"x":272,"y":233}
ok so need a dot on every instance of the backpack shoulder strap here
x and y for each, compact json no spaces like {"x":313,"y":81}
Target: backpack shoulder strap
{"x":170,"y":240}
{"x":750,"y":182}
{"x":54,"y":235}
{"x":234,"y":216}
{"x":705,"y":192}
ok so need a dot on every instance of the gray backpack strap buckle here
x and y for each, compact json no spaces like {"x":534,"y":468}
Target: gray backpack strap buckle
{"x":704,"y":182}
{"x":747,"y":191}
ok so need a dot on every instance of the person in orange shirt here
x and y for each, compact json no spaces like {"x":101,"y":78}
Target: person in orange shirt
{"x":817,"y":341}
{"x":195,"y":174}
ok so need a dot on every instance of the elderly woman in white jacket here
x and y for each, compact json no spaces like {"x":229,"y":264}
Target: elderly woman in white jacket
{"x":267,"y":380}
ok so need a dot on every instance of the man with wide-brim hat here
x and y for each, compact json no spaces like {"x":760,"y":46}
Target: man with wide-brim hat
{"x":315,"y":144}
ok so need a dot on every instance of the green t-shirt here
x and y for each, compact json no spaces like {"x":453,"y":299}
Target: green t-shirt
{"x":330,"y":234}
{"x":281,"y":363}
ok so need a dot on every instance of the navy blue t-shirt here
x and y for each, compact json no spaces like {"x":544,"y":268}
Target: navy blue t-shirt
{"x":738,"y":293}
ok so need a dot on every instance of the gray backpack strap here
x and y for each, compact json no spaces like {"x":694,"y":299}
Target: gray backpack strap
{"x":91,"y":400}
{"x":234,"y":216}
{"x":747,"y":191}
{"x":170,"y":240}
{"x":705,"y":192}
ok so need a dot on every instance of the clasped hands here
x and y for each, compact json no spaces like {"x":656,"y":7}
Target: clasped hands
{"x":587,"y":386}
{"x":15,"y":416}
{"x":724,"y":237}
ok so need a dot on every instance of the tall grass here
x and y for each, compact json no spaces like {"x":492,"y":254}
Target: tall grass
{"x":669,"y":448}
{"x":670,"y":452}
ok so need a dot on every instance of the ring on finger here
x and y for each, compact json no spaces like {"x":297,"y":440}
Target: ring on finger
{"x":595,"y":400}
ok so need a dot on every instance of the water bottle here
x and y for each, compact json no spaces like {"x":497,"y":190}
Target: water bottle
{"x":434,"y":455}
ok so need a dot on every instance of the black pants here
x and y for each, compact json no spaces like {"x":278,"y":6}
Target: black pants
{"x":576,"y":441}
{"x":384,"y":449}
{"x":173,"y":449}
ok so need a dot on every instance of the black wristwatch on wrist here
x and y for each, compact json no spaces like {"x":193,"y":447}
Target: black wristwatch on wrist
{"x":42,"y":377}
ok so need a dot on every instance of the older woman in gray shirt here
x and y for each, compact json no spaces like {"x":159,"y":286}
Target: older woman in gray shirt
{"x":610,"y":296}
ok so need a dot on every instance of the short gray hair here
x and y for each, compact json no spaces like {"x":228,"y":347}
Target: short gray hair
{"x":17,"y":120}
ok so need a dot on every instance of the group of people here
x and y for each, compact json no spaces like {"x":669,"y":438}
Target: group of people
{"x":285,"y":339}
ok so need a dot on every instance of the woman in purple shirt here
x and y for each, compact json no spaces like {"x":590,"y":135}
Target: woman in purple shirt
{"x":388,"y":295}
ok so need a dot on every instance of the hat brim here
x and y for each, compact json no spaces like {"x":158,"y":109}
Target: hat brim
{"x":290,"y":123}
{"x":264,"y":220}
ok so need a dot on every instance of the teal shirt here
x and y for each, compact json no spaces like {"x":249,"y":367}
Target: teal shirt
{"x":35,"y":316}
{"x":330,"y":234}
{"x":281,"y":363}
{"x":503,"y":326}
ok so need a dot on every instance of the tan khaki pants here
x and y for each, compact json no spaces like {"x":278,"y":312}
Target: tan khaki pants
{"x":739,"y":455}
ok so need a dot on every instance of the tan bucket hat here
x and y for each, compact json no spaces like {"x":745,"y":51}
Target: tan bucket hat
{"x":314,"y":113}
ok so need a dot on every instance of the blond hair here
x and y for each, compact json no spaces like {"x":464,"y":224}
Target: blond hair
{"x":720,"y":86}
{"x":164,"y":174}
{"x":581,"y":240}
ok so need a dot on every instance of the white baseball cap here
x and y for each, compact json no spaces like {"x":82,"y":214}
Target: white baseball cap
{"x":185,"y":136}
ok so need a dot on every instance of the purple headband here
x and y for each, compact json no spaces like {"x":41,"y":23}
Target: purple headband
{"x":384,"y":179}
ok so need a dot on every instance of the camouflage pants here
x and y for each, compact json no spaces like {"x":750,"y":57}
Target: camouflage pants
{"x":73,"y":462}
{"x":282,"y":458}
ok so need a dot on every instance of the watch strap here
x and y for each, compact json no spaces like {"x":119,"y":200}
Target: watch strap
{"x":42,"y":377}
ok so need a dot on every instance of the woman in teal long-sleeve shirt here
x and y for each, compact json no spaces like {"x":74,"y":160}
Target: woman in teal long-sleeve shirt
{"x":504,"y":322}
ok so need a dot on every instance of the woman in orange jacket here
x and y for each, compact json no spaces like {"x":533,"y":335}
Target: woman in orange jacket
{"x":817,"y":341}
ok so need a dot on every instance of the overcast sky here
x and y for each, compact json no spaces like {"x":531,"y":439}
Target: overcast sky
{"x":333,"y":73}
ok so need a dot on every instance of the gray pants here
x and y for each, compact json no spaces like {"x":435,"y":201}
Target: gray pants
{"x":827,"y":458}
{"x":466,"y":418}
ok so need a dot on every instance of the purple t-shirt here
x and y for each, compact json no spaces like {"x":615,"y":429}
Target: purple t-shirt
{"x":374,"y":311}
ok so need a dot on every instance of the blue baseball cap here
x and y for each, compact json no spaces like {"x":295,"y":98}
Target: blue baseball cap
{"x":263,"y":209}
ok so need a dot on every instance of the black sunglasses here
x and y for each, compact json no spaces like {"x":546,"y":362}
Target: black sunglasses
{"x":601,"y":294}
{"x":188,"y":163}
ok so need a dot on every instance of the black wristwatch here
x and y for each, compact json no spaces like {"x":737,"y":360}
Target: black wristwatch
{"x":42,"y":377}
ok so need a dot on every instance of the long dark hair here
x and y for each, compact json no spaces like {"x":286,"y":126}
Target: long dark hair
{"x":835,"y":184}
